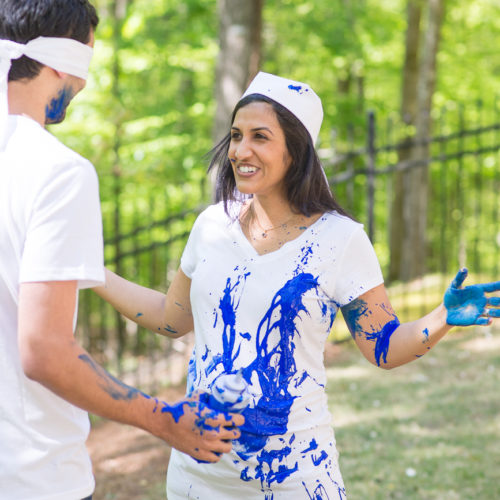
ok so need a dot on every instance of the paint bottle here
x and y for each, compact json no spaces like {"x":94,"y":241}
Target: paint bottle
{"x":230,"y":393}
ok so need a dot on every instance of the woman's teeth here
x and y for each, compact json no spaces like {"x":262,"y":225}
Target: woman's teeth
{"x":246,"y":170}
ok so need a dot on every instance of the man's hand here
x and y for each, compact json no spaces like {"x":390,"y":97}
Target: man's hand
{"x":195,"y":429}
{"x":470,"y":306}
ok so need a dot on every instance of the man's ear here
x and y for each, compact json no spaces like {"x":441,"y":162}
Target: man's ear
{"x":61,"y":74}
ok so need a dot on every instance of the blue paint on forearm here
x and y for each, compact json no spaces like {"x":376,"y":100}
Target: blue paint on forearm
{"x":382,"y":339}
{"x":358,"y":310}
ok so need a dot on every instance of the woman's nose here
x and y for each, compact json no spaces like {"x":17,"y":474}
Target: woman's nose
{"x":242,"y":150}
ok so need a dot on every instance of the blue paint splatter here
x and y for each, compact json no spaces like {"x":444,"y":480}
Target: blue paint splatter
{"x":357,"y":309}
{"x":316,"y":460}
{"x":273,"y":369}
{"x":313,"y":445}
{"x":382,"y":339}
{"x":425,"y":331}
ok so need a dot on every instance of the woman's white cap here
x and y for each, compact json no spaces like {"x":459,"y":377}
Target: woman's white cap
{"x":297,"y":97}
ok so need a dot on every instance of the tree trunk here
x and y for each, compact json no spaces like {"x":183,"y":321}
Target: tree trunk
{"x":413,"y":183}
{"x":417,"y":180}
{"x":408,"y":111}
{"x":240,"y":26}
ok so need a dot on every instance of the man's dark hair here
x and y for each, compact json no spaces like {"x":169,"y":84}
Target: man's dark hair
{"x":25,"y":20}
{"x":306,"y":186}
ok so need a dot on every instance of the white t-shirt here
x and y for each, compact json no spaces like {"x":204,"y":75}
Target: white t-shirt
{"x":50,"y":230}
{"x":270,"y":316}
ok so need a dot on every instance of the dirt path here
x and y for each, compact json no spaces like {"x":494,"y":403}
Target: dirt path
{"x":129,"y":464}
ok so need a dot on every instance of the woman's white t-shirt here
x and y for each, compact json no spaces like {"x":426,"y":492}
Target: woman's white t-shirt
{"x":270,"y":316}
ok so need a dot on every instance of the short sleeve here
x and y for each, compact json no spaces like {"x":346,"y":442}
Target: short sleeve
{"x":359,"y":268}
{"x":64,"y":236}
{"x":189,"y":256}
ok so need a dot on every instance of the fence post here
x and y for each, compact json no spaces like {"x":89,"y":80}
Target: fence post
{"x":370,"y":176}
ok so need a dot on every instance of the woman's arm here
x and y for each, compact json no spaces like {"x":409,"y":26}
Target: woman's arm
{"x":168,"y":314}
{"x":387,"y":343}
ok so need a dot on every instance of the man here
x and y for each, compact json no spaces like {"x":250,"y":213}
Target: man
{"x":50,"y":247}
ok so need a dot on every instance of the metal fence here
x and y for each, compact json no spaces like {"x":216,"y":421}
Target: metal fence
{"x":463,"y":229}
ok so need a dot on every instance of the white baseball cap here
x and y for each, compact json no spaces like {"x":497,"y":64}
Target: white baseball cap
{"x":297,"y":97}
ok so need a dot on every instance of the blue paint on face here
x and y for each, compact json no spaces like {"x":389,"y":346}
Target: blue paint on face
{"x":55,"y":111}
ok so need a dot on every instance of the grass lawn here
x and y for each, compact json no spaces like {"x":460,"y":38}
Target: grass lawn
{"x":427,"y":430}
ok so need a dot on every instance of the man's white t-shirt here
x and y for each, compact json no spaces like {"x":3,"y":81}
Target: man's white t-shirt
{"x":268,"y":317}
{"x":50,"y":230}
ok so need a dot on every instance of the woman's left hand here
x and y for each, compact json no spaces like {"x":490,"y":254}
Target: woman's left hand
{"x":469,"y":306}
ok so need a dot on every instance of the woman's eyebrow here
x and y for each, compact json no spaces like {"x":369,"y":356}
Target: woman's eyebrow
{"x":255,"y":129}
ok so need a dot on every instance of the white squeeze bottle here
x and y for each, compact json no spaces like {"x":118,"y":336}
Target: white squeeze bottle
{"x":230,"y":393}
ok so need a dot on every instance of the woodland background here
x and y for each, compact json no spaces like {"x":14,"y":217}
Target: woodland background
{"x":411,"y":146}
{"x":403,"y":83}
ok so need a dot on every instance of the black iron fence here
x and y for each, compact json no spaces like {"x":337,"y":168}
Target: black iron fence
{"x":463,"y":229}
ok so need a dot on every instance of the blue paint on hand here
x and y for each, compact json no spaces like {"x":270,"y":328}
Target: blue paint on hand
{"x":469,"y":306}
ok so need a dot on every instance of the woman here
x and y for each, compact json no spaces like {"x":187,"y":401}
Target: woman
{"x":261,"y":280}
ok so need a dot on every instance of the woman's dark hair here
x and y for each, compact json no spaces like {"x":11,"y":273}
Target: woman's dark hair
{"x":25,"y":20}
{"x":306,"y":185}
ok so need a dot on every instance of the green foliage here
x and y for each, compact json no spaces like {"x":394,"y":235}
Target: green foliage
{"x":145,"y":120}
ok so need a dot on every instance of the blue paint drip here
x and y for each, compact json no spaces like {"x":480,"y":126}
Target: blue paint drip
{"x":270,"y":414}
{"x":274,"y":366}
{"x":297,"y":88}
{"x":425,"y":331}
{"x":382,"y":339}
{"x":228,"y":306}
{"x":313,"y":445}
{"x":316,"y":460}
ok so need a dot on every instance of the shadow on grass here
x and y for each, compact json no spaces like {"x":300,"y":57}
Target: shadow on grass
{"x":427,"y":430}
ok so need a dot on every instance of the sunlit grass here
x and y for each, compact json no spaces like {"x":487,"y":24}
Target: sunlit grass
{"x":428,"y":430}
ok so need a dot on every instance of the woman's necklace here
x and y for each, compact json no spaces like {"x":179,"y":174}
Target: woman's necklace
{"x":264,"y":230}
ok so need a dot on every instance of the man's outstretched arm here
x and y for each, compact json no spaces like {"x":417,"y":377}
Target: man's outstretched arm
{"x":51,"y":356}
